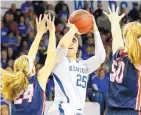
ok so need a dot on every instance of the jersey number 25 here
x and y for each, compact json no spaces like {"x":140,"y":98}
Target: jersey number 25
{"x":81,"y":81}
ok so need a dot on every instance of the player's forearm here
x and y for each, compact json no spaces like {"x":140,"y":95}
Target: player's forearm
{"x":67,"y":38}
{"x":117,"y":42}
{"x":49,"y":63}
{"x":99,"y":47}
{"x":95,"y":61}
{"x":51,"y":52}
{"x":34,"y":47}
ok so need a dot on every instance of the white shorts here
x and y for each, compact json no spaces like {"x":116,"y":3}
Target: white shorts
{"x":57,"y":109}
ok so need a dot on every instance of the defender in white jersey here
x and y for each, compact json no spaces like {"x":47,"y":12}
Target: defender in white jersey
{"x":71,"y":76}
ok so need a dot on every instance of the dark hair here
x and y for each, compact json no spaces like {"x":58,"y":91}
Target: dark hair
{"x":9,"y":32}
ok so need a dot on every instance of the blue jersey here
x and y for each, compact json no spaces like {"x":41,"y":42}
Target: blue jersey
{"x":32,"y":102}
{"x":101,"y":83}
{"x":124,"y":87}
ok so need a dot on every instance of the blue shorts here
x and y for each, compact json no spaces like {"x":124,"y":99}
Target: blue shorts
{"x":115,"y":111}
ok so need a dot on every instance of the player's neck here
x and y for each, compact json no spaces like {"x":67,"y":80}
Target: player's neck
{"x":73,"y":58}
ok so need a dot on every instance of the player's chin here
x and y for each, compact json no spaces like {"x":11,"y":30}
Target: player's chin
{"x":71,"y":53}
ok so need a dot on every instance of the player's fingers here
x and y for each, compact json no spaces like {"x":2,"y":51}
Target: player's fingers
{"x":36,"y":21}
{"x":44,"y":19}
{"x":68,"y":24}
{"x":93,"y":18}
{"x":49,"y":17}
{"x":53,"y":19}
{"x":122,"y":15}
{"x":40,"y":18}
{"x":117,"y":10}
{"x":45,"y":16}
{"x":106,"y":13}
{"x":113,"y":8}
{"x":94,"y":22}
{"x":78,"y":33}
{"x":109,"y":9}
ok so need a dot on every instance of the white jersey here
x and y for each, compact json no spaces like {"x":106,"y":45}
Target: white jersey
{"x":70,"y":79}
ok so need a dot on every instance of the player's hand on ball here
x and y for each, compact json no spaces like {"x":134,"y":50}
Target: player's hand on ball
{"x":50,"y":24}
{"x":40,"y":24}
{"x":95,"y":28}
{"x":73,"y":27}
{"x":114,"y":16}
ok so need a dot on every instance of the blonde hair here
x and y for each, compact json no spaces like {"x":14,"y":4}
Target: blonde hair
{"x":131,"y":33}
{"x":4,"y":110}
{"x":14,"y":83}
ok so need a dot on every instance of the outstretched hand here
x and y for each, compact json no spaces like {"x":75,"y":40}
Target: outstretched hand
{"x":114,"y":16}
{"x":41,"y":24}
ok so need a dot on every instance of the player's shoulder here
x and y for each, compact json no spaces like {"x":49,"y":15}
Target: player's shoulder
{"x":61,"y":65}
{"x":120,"y":54}
{"x":65,"y":61}
{"x":32,"y":79}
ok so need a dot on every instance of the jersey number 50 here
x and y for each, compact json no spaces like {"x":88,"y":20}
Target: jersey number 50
{"x":117,"y":71}
{"x":81,"y":81}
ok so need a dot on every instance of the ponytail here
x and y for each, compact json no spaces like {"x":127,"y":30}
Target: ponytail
{"x":132,"y":33}
{"x":133,"y":47}
{"x":13,"y":84}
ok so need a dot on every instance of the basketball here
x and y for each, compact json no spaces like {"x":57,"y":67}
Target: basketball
{"x":82,"y":19}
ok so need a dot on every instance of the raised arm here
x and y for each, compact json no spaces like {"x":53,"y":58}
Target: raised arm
{"x":95,"y":61}
{"x":64,"y":43}
{"x":114,"y":18}
{"x":51,"y":55}
{"x":41,"y":29}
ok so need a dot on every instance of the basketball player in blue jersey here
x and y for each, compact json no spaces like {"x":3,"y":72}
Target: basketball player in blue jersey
{"x":124,"y":97}
{"x":71,"y":76}
{"x":23,"y":88}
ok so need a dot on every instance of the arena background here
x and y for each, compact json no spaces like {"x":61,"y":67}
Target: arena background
{"x":75,"y":4}
{"x":92,"y":108}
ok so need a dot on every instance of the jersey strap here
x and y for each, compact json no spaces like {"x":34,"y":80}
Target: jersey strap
{"x":61,"y":86}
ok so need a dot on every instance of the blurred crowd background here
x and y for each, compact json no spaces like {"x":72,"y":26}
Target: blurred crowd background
{"x":18,"y":30}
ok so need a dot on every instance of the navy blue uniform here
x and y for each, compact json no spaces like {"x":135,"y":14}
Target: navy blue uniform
{"x":124,"y":88}
{"x":32,"y":102}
